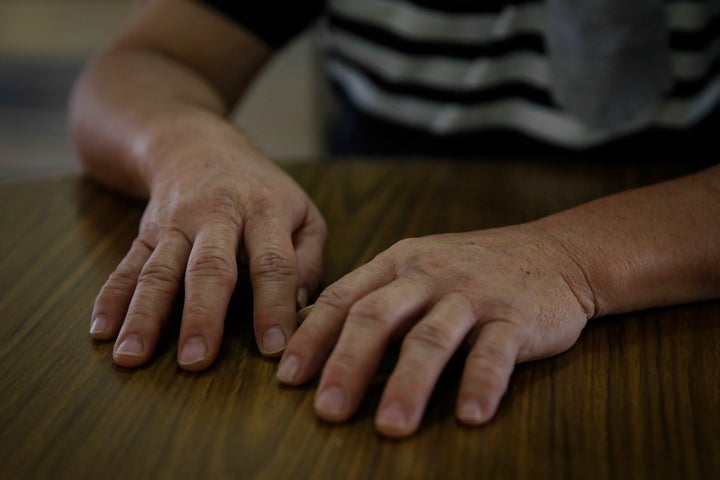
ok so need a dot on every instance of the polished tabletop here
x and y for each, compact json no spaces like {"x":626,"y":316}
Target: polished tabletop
{"x":637,"y":397}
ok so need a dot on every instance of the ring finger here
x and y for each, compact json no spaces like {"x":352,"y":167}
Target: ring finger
{"x":425,"y":351}
{"x":111,"y":304}
{"x":370,"y":324}
{"x":158,"y":285}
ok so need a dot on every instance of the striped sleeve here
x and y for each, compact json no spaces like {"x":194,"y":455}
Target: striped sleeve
{"x":273,"y":21}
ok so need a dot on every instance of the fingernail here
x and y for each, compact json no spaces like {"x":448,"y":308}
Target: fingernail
{"x":193,"y":350}
{"x":288,"y":369}
{"x":273,"y":340}
{"x":331,"y":402}
{"x":303,"y":313}
{"x":130,"y":346}
{"x":470,"y":412}
{"x":302,"y":298}
{"x":99,"y":325}
{"x":392,"y":417}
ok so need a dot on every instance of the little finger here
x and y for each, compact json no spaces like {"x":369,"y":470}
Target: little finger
{"x":311,"y":344}
{"x":111,"y":304}
{"x":487,"y":371}
{"x":309,"y":241}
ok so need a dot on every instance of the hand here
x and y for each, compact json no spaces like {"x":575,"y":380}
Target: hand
{"x":200,"y":214}
{"x":513,"y":294}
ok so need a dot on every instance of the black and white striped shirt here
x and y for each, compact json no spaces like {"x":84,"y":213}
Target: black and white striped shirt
{"x":449,"y":67}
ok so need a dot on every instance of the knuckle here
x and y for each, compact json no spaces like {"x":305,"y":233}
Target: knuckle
{"x":223,"y":207}
{"x":171,"y":239}
{"x":336,"y":296}
{"x":111,"y":293}
{"x":371,"y":311}
{"x":261,"y":200}
{"x":121,"y":279}
{"x":273,"y":263}
{"x":222,"y":201}
{"x":431,"y":336}
{"x":395,"y":251}
{"x":422,"y":276}
{"x":147,"y":239}
{"x":212,"y":263}
{"x":149,"y":232}
{"x":407,"y":249}
{"x":404,"y":244}
{"x":460,"y":301}
{"x":411,"y":258}
{"x":371,"y":315}
{"x":159,"y":275}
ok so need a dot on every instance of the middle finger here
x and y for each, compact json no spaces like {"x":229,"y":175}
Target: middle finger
{"x":310,"y":346}
{"x":158,"y":284}
{"x":209,"y":283}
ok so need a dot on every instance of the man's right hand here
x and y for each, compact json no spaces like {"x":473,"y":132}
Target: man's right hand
{"x":148,"y":119}
{"x":202,"y":212}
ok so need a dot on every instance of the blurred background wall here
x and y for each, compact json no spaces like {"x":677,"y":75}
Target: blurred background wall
{"x":44,"y":43}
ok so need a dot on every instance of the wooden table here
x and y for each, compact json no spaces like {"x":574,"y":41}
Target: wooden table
{"x":637,"y":397}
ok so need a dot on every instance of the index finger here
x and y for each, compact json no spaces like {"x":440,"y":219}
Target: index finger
{"x":313,"y":342}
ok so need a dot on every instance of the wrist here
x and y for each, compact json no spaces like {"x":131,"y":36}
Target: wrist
{"x":182,"y":141}
{"x":570,"y":265}
{"x":647,"y":247}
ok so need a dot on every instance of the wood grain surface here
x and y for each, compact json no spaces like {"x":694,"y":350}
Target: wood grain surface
{"x":637,"y":397}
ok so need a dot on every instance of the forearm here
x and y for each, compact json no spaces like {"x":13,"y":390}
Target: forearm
{"x":647,"y":247}
{"x":160,"y":86}
{"x":126,"y":103}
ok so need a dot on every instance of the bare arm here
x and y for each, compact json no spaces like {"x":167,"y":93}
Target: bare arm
{"x":169,"y":77}
{"x":147,"y":118}
{"x":516,"y":293}
{"x":647,"y":247}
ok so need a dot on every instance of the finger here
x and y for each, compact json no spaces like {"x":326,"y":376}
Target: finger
{"x":487,"y":372}
{"x":209,"y":283}
{"x":157,"y":287}
{"x":309,"y":241}
{"x":362,"y":343}
{"x":425,"y":352}
{"x":274,"y":278}
{"x":303,"y":313}
{"x":111,"y":304}
{"x":311,"y":344}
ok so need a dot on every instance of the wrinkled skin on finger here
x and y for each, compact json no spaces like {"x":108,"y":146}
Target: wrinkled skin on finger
{"x":511,"y":294}
{"x":200,"y":216}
